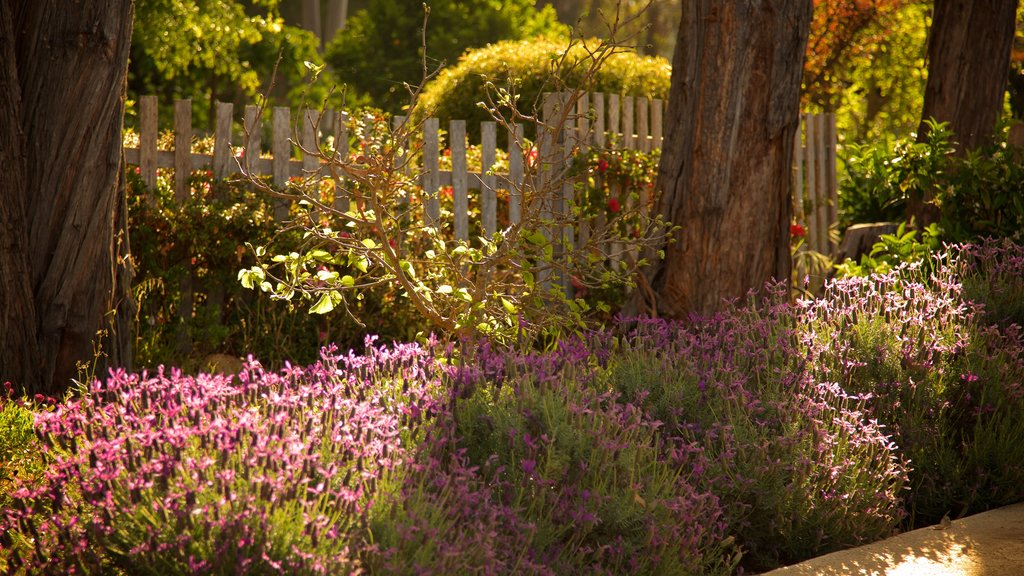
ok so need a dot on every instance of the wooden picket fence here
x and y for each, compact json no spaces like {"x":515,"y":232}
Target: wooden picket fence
{"x":600,"y":120}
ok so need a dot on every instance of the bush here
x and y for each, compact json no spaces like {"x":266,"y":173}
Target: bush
{"x":978,"y":193}
{"x":935,"y":372}
{"x":528,"y":68}
{"x":381,"y":47}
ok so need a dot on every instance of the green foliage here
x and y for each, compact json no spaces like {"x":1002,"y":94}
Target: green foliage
{"x":381,"y":47}
{"x":223,"y":50}
{"x":525,"y":69}
{"x":891,"y":250}
{"x":877,"y":91}
{"x":588,"y":471}
{"x":879,"y":179}
{"x":978,"y":193}
{"x":203,"y":238}
{"x":510,"y":284}
{"x":944,"y":381}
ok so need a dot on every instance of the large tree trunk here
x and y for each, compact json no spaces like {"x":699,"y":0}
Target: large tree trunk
{"x":726,"y":165}
{"x":64,"y":106}
{"x":968,"y":61}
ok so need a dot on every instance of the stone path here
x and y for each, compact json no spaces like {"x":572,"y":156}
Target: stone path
{"x":987,"y":544}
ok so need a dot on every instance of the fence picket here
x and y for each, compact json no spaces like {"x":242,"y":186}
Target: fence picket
{"x":628,"y":138}
{"x":431,"y":177}
{"x":488,"y":182}
{"x":281,"y":148}
{"x":253,"y":141}
{"x":460,"y":191}
{"x":182,"y":147}
{"x":222,"y":139}
{"x":643,"y":129}
{"x":147,"y":142}
{"x":657,"y":122}
{"x":341,"y":202}
{"x":515,"y":173}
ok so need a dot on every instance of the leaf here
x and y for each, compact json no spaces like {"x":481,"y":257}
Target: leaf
{"x":369,"y":243}
{"x":444,"y":289}
{"x":348,"y":281}
{"x":508,"y":306}
{"x":325,"y":304}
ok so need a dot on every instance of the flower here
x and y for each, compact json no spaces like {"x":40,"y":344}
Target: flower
{"x":602,"y":165}
{"x":797,"y":231}
{"x":613,"y":205}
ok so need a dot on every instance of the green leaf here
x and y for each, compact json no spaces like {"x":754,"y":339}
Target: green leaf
{"x":369,"y":243}
{"x":325,"y":304}
{"x":326,"y":275}
{"x":508,"y":306}
{"x":348,"y":281}
{"x":444,"y":289}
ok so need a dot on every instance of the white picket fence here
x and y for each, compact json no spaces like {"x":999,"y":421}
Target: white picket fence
{"x":598,"y":120}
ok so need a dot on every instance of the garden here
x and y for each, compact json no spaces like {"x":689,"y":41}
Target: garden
{"x":397,"y":400}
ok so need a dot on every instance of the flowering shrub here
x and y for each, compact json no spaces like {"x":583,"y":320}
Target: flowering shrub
{"x":165,"y":473}
{"x":947,"y":383}
{"x":763,"y":435}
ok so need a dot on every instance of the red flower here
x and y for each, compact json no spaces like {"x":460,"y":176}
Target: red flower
{"x":613,"y":205}
{"x":797,"y":231}
{"x":602,"y":165}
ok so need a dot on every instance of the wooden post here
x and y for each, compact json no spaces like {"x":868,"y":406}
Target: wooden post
{"x":460,"y":191}
{"x":222,"y":139}
{"x":657,"y":122}
{"x":253,"y":143}
{"x":643,"y":129}
{"x":488,"y":182}
{"x":431,"y":175}
{"x":515,"y":173}
{"x":614,"y":115}
{"x":310,"y":143}
{"x":628,"y":138}
{"x":830,"y":179}
{"x":599,"y":127}
{"x":798,"y":176}
{"x":182,"y":148}
{"x":147,"y":144}
{"x":341,"y":201}
{"x":820,"y":193}
{"x":281,"y":149}
{"x":812,"y":182}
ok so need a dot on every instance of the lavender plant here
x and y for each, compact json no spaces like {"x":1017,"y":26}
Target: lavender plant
{"x":797,"y":467}
{"x":166,"y":473}
{"x":919,"y":348}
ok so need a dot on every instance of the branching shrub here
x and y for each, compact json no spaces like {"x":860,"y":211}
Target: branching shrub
{"x":528,"y":68}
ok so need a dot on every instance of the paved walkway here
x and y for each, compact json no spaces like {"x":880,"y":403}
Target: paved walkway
{"x":987,"y":544}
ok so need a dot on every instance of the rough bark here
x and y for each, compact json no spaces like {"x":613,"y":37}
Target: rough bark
{"x":71,"y":64}
{"x":726,"y":165}
{"x":968,"y":60}
{"x":18,"y":355}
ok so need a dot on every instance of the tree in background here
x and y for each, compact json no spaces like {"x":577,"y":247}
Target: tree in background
{"x":223,"y":50}
{"x":726,"y":164}
{"x":62,"y":219}
{"x":866,"y":63}
{"x":968,"y":62}
{"x":643,"y":24}
{"x":381,"y":47}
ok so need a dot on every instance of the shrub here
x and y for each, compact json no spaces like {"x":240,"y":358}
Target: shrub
{"x":944,"y":381}
{"x":593,"y":476}
{"x":165,"y":473}
{"x":798,"y":470}
{"x":528,"y":68}
{"x":978,"y":193}
{"x":381,"y":47}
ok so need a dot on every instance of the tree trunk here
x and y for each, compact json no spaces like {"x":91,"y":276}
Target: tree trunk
{"x":66,"y":107}
{"x":968,"y":62}
{"x":726,"y":165}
